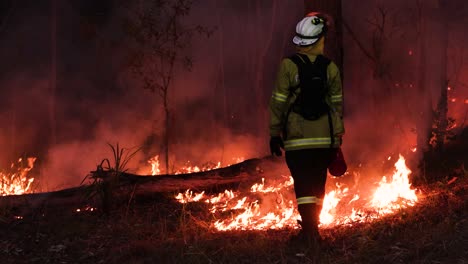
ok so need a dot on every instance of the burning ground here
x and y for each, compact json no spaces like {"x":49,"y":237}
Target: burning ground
{"x":243,"y":213}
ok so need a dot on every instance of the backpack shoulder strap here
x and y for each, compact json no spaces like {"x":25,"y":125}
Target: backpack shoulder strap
{"x":297,"y":60}
{"x":322,"y":63}
{"x":305,"y":58}
{"x":300,"y":64}
{"x":301,"y":60}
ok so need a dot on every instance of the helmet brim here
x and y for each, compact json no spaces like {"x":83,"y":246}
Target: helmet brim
{"x":303,"y":42}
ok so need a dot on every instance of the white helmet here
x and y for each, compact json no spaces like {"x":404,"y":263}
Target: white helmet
{"x":309,"y":30}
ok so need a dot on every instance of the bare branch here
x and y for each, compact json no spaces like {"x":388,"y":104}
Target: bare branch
{"x":383,"y":13}
{"x":372,"y":23}
{"x":358,"y":42}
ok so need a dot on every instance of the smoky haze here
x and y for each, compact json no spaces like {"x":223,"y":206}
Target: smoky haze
{"x":219,"y":108}
{"x":390,"y":74}
{"x":96,"y":100}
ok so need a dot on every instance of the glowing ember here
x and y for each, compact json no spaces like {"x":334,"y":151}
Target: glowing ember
{"x":192,"y":169}
{"x":15,"y":180}
{"x":272,"y":206}
{"x":86,"y":209}
{"x":154,"y":161}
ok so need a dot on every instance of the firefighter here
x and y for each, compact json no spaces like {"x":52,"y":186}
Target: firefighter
{"x":310,"y":145}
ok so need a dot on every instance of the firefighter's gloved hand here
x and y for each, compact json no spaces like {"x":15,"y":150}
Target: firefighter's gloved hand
{"x":276,"y":144}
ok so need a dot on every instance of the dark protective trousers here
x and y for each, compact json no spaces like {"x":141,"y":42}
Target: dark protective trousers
{"x":308,"y":168}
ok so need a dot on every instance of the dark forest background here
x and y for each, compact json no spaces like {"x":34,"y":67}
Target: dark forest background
{"x":71,"y":79}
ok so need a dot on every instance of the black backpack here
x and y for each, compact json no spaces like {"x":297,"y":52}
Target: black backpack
{"x":310,"y":102}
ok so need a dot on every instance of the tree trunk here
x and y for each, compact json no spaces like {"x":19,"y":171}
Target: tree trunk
{"x":167,"y":132}
{"x":422,"y":125}
{"x":442,"y":122}
{"x":442,"y":108}
{"x":433,"y":37}
{"x":433,"y":75}
{"x":6,"y":14}
{"x":53,"y":72}
{"x":261,"y":56}
{"x":221,"y":79}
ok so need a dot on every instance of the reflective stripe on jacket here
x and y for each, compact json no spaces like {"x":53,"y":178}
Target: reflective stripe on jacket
{"x":302,"y":133}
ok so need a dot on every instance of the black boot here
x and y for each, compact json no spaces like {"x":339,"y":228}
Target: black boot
{"x":310,"y":220}
{"x":307,"y":242}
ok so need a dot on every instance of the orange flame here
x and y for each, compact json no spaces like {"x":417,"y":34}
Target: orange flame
{"x":273,"y":206}
{"x":154,"y":161}
{"x":276,"y":211}
{"x":16,"y":182}
{"x":387,"y":194}
{"x":155,"y":170}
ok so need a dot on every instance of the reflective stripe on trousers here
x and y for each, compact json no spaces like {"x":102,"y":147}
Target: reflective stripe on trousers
{"x":309,"y":200}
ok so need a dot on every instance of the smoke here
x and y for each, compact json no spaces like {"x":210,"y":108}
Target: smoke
{"x":68,"y":163}
{"x":22,"y":117}
{"x":218,"y":110}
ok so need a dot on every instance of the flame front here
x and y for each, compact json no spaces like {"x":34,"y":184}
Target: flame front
{"x":154,"y":161}
{"x":15,"y":181}
{"x":273,"y":206}
{"x":387,"y":195}
{"x":265,"y":207}
{"x":187,"y":168}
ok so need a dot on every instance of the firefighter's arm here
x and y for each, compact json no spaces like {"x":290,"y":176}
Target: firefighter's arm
{"x":279,"y":98}
{"x":336,"y":90}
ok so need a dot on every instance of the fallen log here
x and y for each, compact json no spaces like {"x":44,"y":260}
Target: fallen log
{"x":236,"y":176}
{"x":245,"y":172}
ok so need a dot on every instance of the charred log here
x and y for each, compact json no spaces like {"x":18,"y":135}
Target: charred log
{"x":156,"y":188}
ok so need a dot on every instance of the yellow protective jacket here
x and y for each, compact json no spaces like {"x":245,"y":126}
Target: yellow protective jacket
{"x":302,"y":133}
